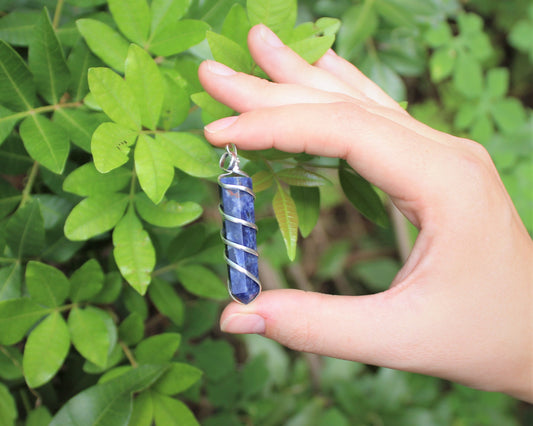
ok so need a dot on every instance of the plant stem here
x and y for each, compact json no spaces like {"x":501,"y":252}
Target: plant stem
{"x":27,"y":188}
{"x":39,"y":110}
{"x":128,"y":354}
{"x":57,"y":13}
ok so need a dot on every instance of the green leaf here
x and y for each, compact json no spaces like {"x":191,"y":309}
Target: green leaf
{"x":509,"y":114}
{"x":385,"y":77}
{"x":7,"y":122}
{"x":10,"y":282}
{"x":278,"y":15}
{"x":79,"y":61}
{"x":53,"y":208}
{"x":178,"y":378}
{"x":110,"y":146}
{"x":109,"y":403}
{"x":45,"y":350}
{"x":312,"y":49}
{"x":134,"y":302}
{"x":441,"y":63}
{"x":46,"y":142}
{"x":115,"y":97}
{"x":86,"y":181}
{"x":299,"y":176}
{"x":47,"y":285}
{"x":131,"y":330}
{"x":95,"y":215}
{"x":93,"y":333}
{"x":86,"y":281}
{"x":17,"y":27}
{"x":11,"y":363}
{"x":307,"y":202}
{"x":171,"y":412}
{"x":363,"y":196}
{"x":167,"y":301}
{"x":143,"y":410}
{"x":201,"y":281}
{"x":287,"y":217}
{"x":176,"y":104}
{"x":47,"y":61}
{"x":211,"y":106}
{"x":134,"y":252}
{"x":190,"y":153}
{"x":465,"y":116}
{"x":468,"y":76}
{"x":153,"y":167}
{"x":17,"y":316}
{"x":146,"y":82}
{"x":9,"y":198}
{"x":236,"y":26}
{"x":174,"y":39}
{"x":17,"y":87}
{"x":24,"y":231}
{"x":396,"y":14}
{"x":38,"y":417}
{"x":132,"y":18}
{"x":166,"y":13}
{"x":111,"y":289}
{"x":262,"y":180}
{"x":229,"y":52}
{"x":498,"y":82}
{"x":439,"y":35}
{"x":216,"y":358}
{"x":157,"y":349}
{"x":104,"y":42}
{"x":361,"y":21}
{"x":79,"y":125}
{"x":8,"y":408}
{"x":377,"y":274}
{"x":168,"y":213}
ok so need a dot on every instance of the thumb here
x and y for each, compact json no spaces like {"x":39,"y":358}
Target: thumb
{"x":371,"y":329}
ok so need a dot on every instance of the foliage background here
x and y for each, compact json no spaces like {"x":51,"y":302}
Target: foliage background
{"x":78,"y":247}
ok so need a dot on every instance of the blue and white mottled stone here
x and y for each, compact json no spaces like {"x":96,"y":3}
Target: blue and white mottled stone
{"x":241,"y":205}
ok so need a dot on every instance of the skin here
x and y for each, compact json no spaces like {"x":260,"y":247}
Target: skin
{"x":461,"y":308}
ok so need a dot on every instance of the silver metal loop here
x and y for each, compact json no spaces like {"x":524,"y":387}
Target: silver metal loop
{"x":233,"y":165}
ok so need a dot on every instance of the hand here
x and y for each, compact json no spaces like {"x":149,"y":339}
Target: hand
{"x":461,"y":308}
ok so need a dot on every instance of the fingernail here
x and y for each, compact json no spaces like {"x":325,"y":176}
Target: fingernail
{"x":244,"y":324}
{"x":219,"y":69}
{"x":221,"y":124}
{"x":269,"y":37}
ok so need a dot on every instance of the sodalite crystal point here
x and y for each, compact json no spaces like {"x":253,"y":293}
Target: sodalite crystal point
{"x":240,"y":204}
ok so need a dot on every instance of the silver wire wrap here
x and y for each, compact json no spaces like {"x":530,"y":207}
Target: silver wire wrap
{"x":233,"y":169}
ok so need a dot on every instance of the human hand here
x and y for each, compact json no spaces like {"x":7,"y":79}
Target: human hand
{"x":461,"y":308}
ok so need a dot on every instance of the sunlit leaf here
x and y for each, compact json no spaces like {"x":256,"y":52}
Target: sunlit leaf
{"x":115,"y":97}
{"x":146,"y":82}
{"x":168,"y":213}
{"x":45,"y":350}
{"x":17,"y":316}
{"x":307,"y":202}
{"x":173,"y":39}
{"x":132,"y":18}
{"x":201,"y":281}
{"x":95,"y":215}
{"x":47,"y":285}
{"x":134,"y":252}
{"x":153,"y":167}
{"x":104,"y":42}
{"x":110,"y":146}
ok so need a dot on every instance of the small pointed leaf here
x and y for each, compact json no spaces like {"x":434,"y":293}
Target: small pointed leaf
{"x":17,"y":87}
{"x":168,"y":213}
{"x":132,"y":18}
{"x":285,"y":212}
{"x":110,"y":146}
{"x":47,"y":285}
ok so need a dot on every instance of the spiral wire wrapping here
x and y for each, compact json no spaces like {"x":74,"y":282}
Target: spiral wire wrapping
{"x":233,"y":170}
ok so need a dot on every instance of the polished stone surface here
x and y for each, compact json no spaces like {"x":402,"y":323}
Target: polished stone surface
{"x":241,"y":205}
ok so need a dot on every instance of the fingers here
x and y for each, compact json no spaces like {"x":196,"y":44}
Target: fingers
{"x":354,"y":328}
{"x":283,"y":65}
{"x":346,"y":72}
{"x":384,"y":152}
{"x":243,"y":92}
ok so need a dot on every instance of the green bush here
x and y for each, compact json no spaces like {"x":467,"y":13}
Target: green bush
{"x":110,"y":257}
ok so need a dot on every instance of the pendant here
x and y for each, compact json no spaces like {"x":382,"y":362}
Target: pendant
{"x":239,"y":232}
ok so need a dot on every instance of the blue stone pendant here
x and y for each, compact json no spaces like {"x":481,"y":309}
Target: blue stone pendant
{"x":239,"y":229}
